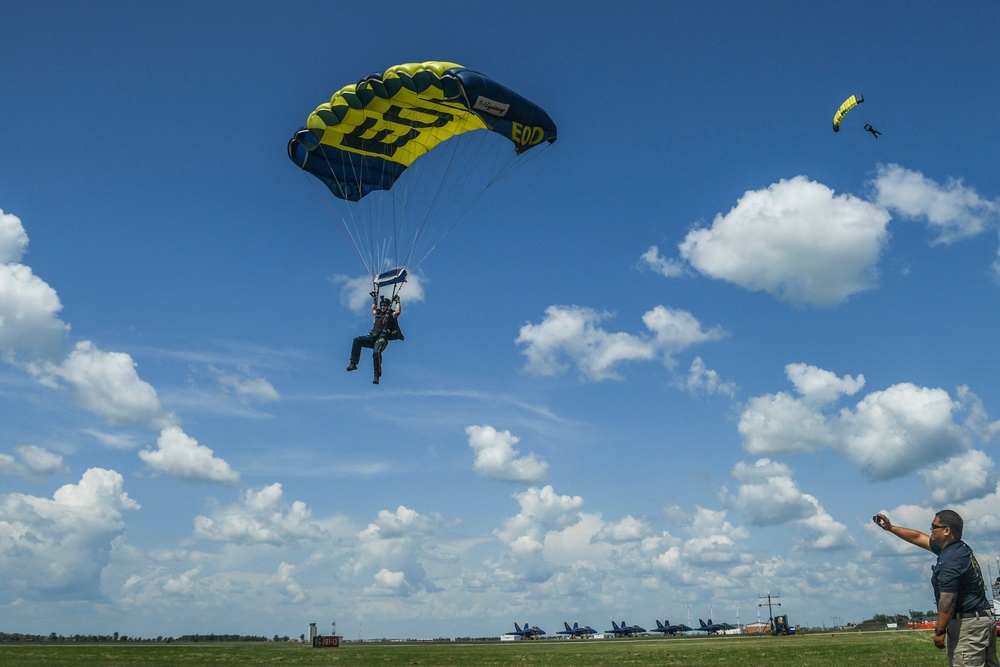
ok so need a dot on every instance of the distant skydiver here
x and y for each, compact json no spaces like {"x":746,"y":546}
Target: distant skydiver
{"x":384,"y":328}
{"x":871,"y":129}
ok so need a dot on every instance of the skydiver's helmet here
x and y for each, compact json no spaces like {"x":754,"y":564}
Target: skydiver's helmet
{"x":384,"y":302}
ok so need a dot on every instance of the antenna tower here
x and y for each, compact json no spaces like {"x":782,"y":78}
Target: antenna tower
{"x":770,"y":607}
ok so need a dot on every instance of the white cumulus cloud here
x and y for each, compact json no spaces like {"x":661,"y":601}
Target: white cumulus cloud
{"x":886,"y":434}
{"x":963,"y":477}
{"x":523,"y":536}
{"x":261,"y":517}
{"x":713,"y":540}
{"x":703,"y":380}
{"x":35,"y":462}
{"x":796,"y":240}
{"x":668,"y":268}
{"x":106,"y":384}
{"x":13,"y":238}
{"x":284,"y":580}
{"x":898,"y":430}
{"x":179,"y":455}
{"x":30,"y":328}
{"x":388,"y":582}
{"x":56,"y":548}
{"x":779,"y":423}
{"x":769,"y":496}
{"x":392,"y":550}
{"x":496,"y":458}
{"x":627,"y":529}
{"x":214,"y":593}
{"x":820,"y":386}
{"x":248,"y":388}
{"x":952,"y":210}
{"x":571,"y":336}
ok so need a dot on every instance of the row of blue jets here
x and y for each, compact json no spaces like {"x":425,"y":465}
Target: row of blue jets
{"x":623,"y":630}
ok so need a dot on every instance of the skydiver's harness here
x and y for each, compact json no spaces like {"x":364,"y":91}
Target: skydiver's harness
{"x":385,"y":326}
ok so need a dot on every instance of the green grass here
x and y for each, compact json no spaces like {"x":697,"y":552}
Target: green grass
{"x":877,"y":649}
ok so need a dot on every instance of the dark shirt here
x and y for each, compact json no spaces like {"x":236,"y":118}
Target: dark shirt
{"x":957,"y":571}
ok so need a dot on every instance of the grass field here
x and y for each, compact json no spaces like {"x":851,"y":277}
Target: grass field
{"x":877,"y":649}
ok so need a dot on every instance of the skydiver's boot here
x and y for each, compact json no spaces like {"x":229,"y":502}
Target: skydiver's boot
{"x":352,"y":367}
{"x":375,"y":381}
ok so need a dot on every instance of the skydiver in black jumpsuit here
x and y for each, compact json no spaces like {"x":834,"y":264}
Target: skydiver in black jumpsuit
{"x":384,"y":328}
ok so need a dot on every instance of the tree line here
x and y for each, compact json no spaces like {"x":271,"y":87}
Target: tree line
{"x":115,"y":637}
{"x":913,"y":615}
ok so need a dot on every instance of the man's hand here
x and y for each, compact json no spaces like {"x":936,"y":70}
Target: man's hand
{"x":940,"y":640}
{"x":882,"y":521}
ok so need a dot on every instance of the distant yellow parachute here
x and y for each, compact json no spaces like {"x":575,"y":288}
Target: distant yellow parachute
{"x":849,"y":103}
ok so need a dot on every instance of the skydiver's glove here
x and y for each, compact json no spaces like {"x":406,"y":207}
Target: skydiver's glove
{"x":395,"y":299}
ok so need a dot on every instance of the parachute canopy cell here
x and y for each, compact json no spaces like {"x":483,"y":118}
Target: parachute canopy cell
{"x":370,"y":132}
{"x":849,"y":103}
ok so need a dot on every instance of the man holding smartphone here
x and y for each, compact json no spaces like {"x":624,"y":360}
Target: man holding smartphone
{"x":965,"y":622}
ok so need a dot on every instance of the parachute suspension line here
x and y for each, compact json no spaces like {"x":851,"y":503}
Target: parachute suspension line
{"x":506,"y":166}
{"x":344,"y":229}
{"x":397,"y":288}
{"x":397,"y":203}
{"x":464,"y":165}
{"x":370,"y":207}
{"x":511,"y":165}
{"x":351,"y":231}
{"x":364,"y":228}
{"x":863,"y":126}
{"x":426,"y":183}
{"x":446,"y":187}
{"x":426,"y":176}
{"x":362,"y":221}
{"x":409,"y":241}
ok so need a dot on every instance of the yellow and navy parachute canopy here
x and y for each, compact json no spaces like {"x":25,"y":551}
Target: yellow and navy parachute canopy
{"x":849,"y":103}
{"x":370,"y":132}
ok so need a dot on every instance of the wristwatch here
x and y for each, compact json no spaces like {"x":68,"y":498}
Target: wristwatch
{"x":938,"y":632}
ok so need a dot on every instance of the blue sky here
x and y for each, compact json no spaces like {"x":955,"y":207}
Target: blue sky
{"x":673,"y":363}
